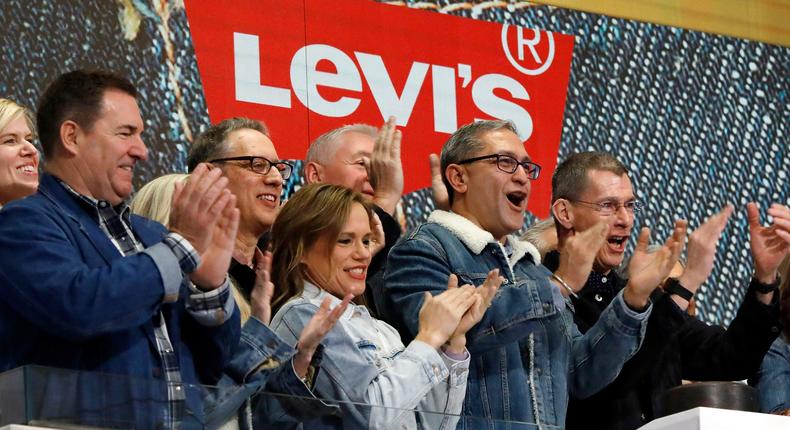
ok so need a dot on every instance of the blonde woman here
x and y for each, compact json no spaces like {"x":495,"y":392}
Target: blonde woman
{"x":18,"y":157}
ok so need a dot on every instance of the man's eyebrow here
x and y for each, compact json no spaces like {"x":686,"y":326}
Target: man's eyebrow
{"x":513,"y":154}
{"x":361,"y":154}
{"x":128,"y":127}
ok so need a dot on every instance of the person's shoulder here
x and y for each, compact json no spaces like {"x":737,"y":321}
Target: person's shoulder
{"x":29,"y":208}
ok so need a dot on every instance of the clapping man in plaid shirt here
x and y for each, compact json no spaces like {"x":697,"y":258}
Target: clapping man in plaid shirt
{"x":85,"y":285}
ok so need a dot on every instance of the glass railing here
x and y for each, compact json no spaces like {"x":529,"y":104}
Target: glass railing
{"x":56,"y":398}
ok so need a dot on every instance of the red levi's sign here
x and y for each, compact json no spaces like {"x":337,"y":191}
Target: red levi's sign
{"x":305,"y":67}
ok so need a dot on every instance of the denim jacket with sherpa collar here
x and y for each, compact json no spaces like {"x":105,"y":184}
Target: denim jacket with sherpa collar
{"x":527,"y":355}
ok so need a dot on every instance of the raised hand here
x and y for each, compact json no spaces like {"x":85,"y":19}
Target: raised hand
{"x":484,"y":296}
{"x":262,"y":291}
{"x":578,"y":254}
{"x":702,"y":249}
{"x":647,"y":269}
{"x":215,"y":259}
{"x":770,"y":244}
{"x":440,"y":197}
{"x":378,"y":239}
{"x":440,"y":315}
{"x":385,"y":170}
{"x":315,"y":330}
{"x":198,"y":204}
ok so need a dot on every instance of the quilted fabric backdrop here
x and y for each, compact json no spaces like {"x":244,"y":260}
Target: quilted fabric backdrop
{"x":701,"y":120}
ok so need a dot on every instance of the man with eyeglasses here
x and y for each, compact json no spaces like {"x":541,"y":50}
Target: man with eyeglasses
{"x":526,"y":353}
{"x":593,"y":187}
{"x":242,"y":150}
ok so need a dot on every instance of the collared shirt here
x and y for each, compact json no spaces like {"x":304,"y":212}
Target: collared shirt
{"x":115,"y":222}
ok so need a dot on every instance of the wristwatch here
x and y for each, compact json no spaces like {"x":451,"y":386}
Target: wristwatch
{"x":767,"y":288}
{"x":673,"y":286}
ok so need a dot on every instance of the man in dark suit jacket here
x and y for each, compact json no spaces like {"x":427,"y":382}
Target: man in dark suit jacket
{"x":85,"y":285}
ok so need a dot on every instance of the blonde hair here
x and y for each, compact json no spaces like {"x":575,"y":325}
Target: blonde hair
{"x":316,"y":212}
{"x":153,"y":201}
{"x":10,"y":110}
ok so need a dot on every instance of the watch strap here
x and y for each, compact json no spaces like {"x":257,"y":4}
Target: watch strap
{"x":673,"y":286}
{"x":767,"y":288}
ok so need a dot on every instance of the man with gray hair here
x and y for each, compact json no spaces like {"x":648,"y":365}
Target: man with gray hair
{"x":527,"y":355}
{"x":368,"y":161}
{"x":591,"y":188}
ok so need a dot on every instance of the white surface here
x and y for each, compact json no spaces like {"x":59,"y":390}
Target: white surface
{"x":718,"y":419}
{"x":21,"y":427}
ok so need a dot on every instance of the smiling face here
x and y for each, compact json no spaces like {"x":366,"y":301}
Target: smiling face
{"x":340,"y":267}
{"x":110,"y":149}
{"x":347,"y":165}
{"x":257,"y":196}
{"x":604,"y":186}
{"x":493,"y":199}
{"x":18,"y":161}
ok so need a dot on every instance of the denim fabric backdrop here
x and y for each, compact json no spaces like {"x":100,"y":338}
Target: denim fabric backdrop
{"x":699,"y":119}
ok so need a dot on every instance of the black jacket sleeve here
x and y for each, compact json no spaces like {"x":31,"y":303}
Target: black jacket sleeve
{"x":713,"y":353}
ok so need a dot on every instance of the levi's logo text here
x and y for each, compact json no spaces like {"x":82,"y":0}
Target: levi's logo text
{"x":305,"y":67}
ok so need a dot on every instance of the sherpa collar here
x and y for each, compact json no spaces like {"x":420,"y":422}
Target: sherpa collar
{"x":476,"y":239}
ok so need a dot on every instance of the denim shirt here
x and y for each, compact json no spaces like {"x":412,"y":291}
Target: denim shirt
{"x":527,"y":355}
{"x":773,"y":378}
{"x":365,"y":362}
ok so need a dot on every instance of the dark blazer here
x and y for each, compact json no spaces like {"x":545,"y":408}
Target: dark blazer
{"x":69,"y":299}
{"x":676,"y":347}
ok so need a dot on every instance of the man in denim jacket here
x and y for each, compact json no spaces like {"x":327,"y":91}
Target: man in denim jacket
{"x":526,"y":353}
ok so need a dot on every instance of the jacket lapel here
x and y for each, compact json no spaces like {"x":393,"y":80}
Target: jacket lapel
{"x":68,"y":204}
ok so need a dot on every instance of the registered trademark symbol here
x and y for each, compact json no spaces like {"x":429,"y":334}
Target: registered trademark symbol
{"x":531,"y":46}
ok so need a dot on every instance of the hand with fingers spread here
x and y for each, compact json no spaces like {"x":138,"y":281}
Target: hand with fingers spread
{"x":441,"y":199}
{"x":440,"y":314}
{"x":484,"y":296}
{"x":702,"y":249}
{"x":577,"y":256}
{"x":262,"y":291}
{"x":198,"y":204}
{"x":385,"y":169}
{"x":378,"y":239}
{"x":770,"y":244}
{"x":648,"y":269}
{"x":215,"y":258}
{"x":315,"y":330}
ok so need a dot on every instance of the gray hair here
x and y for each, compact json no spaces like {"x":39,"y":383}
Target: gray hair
{"x":535,"y":232}
{"x":323,"y":148}
{"x":466,"y":141}
{"x":212,"y":143}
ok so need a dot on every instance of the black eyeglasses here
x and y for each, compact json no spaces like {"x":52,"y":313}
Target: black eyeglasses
{"x":508,"y":164}
{"x":261,"y":165}
{"x":610,"y":207}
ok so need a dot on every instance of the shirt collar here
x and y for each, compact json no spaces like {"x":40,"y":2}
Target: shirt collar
{"x":316,"y":295}
{"x":96,"y":205}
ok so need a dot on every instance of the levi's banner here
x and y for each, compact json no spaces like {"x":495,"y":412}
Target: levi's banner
{"x":305,"y":67}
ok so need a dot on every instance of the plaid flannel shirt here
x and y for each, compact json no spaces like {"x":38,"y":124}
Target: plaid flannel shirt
{"x":209,"y":308}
